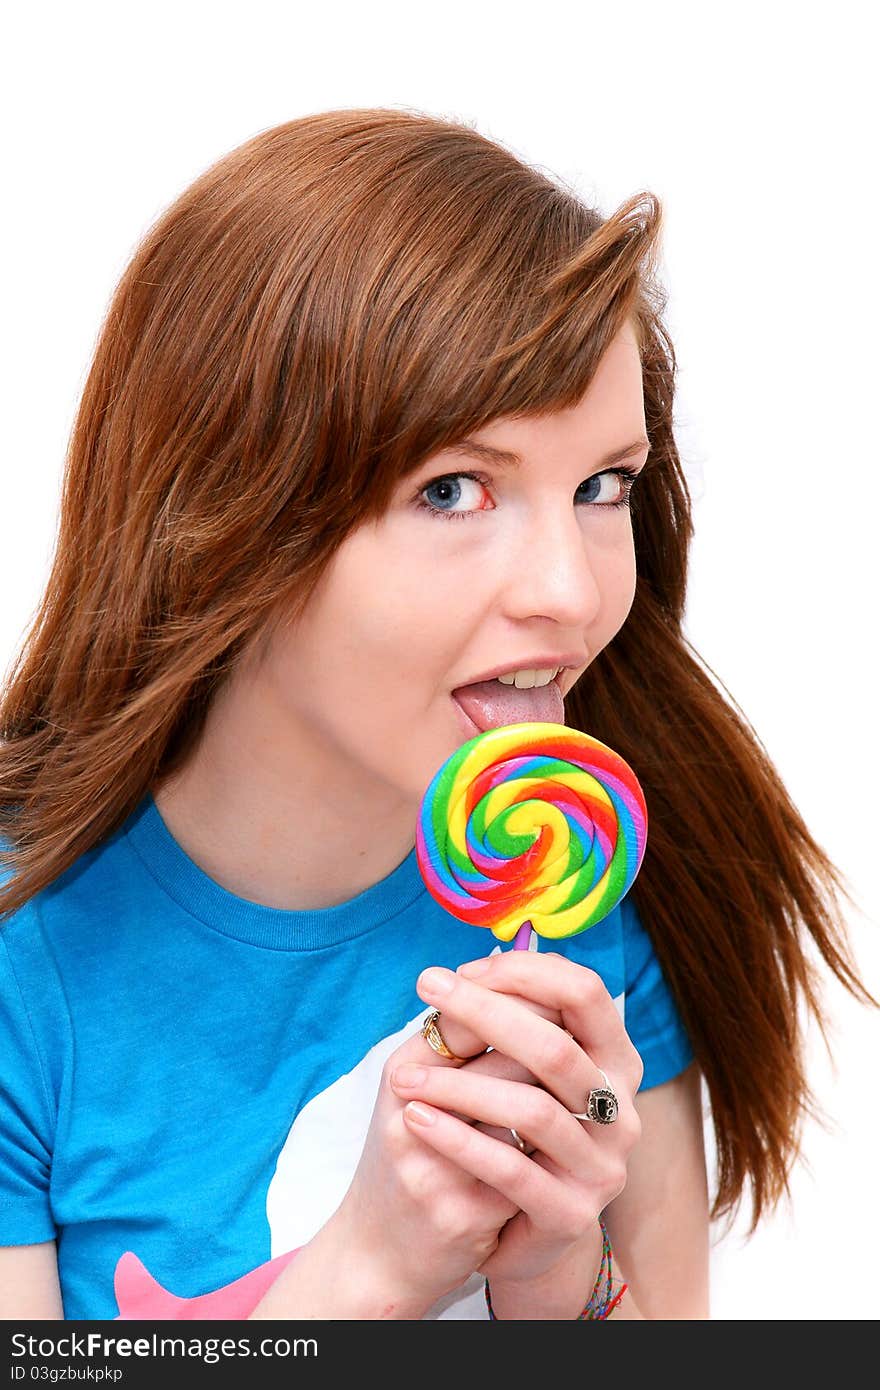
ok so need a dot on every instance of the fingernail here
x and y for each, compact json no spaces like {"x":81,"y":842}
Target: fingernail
{"x":419,"y":1114}
{"x":472,"y":968}
{"x":435,"y":982}
{"x":408,"y":1075}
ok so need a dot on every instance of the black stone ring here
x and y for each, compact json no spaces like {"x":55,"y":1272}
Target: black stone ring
{"x":601,"y":1104}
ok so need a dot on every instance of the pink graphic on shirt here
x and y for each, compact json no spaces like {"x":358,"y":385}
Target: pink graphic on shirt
{"x":139,"y":1295}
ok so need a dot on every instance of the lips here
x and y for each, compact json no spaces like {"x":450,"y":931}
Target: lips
{"x":489,"y":704}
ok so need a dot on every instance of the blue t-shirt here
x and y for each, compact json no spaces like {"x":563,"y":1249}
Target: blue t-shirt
{"x":187,"y":1077}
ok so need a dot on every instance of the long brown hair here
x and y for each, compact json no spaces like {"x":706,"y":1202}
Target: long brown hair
{"x":319,"y":311}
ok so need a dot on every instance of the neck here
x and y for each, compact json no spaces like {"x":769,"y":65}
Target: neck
{"x":273,"y":819}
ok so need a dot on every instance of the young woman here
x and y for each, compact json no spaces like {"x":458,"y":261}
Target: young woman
{"x":378,"y":414}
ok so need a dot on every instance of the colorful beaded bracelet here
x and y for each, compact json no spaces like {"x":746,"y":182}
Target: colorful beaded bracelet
{"x":601,"y":1302}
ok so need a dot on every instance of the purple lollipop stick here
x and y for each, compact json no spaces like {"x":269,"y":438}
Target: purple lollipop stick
{"x":522,"y":938}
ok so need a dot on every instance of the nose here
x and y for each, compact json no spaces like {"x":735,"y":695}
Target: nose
{"x":551,"y":573}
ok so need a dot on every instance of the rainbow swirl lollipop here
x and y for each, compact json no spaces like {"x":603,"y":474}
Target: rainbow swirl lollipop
{"x":532,"y":825}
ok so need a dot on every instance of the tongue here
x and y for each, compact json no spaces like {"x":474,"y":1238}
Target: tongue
{"x":490,"y":704}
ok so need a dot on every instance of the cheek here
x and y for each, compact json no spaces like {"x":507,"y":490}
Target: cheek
{"x":618,"y":587}
{"x":402,"y":603}
{"x":371,"y":618}
{"x":626,"y":589}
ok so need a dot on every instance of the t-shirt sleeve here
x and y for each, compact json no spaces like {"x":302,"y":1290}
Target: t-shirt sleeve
{"x":26,"y":1120}
{"x":652,"y":1019}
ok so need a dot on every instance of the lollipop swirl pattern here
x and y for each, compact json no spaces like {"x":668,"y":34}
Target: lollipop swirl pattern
{"x":532,"y":822}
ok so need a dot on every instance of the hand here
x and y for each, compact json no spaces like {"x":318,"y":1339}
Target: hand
{"x":414,"y":1222}
{"x":578,"y":1167}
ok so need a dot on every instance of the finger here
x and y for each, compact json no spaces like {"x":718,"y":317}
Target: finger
{"x":552,"y":1055}
{"x":434,"y":1036}
{"x":536,"y":1116}
{"x":576,"y":992}
{"x":507,"y":1134}
{"x":498,"y":1064}
{"x":494,"y":1063}
{"x":554,"y":1206}
{"x":417,"y":1051}
{"x":467,"y":1043}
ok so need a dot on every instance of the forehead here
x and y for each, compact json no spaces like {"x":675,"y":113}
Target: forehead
{"x":609,"y":419}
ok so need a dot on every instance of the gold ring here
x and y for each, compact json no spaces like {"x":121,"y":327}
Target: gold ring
{"x":434,"y":1038}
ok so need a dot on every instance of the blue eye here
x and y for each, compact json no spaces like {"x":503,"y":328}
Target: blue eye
{"x":448,"y":489}
{"x":449,"y":484}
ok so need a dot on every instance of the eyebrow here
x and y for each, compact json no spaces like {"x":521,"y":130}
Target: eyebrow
{"x":506,"y":458}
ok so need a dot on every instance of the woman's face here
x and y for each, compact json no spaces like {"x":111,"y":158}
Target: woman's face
{"x":461,"y":578}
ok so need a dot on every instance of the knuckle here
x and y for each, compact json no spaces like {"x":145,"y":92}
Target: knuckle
{"x":509,"y":1170}
{"x":632,"y":1127}
{"x":410,"y":1051}
{"x":387,"y":1070}
{"x":450,"y":1216}
{"x":418,"y":1179}
{"x":615,"y":1175}
{"x":590,"y":987}
{"x":561,"y":963}
{"x":638,"y":1068}
{"x":397,"y":1139}
{"x":539,"y":1110}
{"x":627,"y":1132}
{"x":558,"y":1054}
{"x":500,"y":1066}
{"x":622,"y":1141}
{"x":459,"y":1142}
{"x":575,"y":1217}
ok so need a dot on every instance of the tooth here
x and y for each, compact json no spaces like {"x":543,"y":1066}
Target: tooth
{"x":526,"y":680}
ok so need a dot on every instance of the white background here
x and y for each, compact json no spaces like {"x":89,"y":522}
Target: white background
{"x":754,"y":126}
